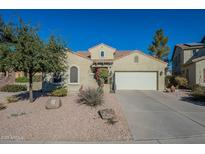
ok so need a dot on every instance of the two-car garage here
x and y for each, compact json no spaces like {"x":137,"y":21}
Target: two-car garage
{"x":136,"y":80}
{"x":138,"y":71}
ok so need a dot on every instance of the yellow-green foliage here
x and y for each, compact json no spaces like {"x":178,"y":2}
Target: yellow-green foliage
{"x":181,"y":82}
{"x":60,"y":92}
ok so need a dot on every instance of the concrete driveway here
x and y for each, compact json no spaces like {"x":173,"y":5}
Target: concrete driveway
{"x":156,"y":117}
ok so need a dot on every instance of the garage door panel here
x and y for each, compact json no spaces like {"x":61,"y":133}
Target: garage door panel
{"x":136,"y":80}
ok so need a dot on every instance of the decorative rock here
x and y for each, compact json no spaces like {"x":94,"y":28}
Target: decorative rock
{"x":53,"y":103}
{"x":173,"y":88}
{"x":2,"y":106}
{"x":107,"y":114}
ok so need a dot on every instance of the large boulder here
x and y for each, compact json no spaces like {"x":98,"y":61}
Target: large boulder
{"x":53,"y":103}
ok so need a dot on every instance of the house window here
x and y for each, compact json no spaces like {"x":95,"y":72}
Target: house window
{"x":57,"y":77}
{"x":73,"y":74}
{"x":102,"y":54}
{"x":204,"y":74}
{"x":136,"y":59}
{"x":195,"y":52}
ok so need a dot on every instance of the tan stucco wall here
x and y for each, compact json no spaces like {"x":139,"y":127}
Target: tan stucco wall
{"x":192,"y":74}
{"x":126,"y":63}
{"x":95,"y":52}
{"x":176,"y":66}
{"x":144,"y":64}
{"x":199,"y":72}
{"x":85,"y":75}
{"x":187,"y":54}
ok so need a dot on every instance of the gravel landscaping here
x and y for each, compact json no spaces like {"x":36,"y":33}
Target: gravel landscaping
{"x":179,"y":93}
{"x":71,"y":122}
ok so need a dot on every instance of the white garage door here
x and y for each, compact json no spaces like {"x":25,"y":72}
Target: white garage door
{"x":136,"y":80}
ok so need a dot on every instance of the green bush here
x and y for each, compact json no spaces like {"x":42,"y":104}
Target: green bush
{"x":102,"y":73}
{"x":60,"y":92}
{"x":198,"y":92}
{"x":36,"y":78}
{"x":177,"y":81}
{"x":21,"y":79}
{"x":91,"y":97}
{"x":13,"y":88}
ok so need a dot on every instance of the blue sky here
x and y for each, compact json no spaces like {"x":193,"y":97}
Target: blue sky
{"x":122,"y":29}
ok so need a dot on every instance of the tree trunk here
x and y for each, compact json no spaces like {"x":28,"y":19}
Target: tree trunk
{"x":30,"y":87}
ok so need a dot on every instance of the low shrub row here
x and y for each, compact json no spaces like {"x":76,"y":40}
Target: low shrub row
{"x":59,"y":92}
{"x":13,"y":88}
{"x":36,"y":78}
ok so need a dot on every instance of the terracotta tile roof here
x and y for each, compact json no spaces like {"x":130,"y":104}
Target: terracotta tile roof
{"x":83,"y":54}
{"x":120,"y":54}
{"x":117,"y":55}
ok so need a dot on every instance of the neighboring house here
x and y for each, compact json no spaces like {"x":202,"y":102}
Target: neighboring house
{"x":20,"y":74}
{"x":7,"y":78}
{"x":130,"y":70}
{"x":188,"y":60}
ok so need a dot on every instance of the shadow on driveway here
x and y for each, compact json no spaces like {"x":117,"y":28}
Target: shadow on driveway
{"x":192,"y":100}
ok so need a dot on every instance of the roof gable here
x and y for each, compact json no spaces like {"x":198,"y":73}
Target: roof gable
{"x":101,"y":45}
{"x":142,"y":53}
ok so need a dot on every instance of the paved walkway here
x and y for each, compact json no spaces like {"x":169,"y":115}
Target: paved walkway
{"x":156,"y":117}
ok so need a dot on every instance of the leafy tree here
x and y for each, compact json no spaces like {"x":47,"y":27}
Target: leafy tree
{"x":6,"y":45}
{"x":28,"y":53}
{"x":55,"y":56}
{"x":159,"y":46}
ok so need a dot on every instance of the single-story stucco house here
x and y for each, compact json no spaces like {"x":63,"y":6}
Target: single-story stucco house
{"x":130,"y":70}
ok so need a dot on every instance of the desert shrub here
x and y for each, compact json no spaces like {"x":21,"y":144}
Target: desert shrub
{"x":60,"y":92}
{"x":181,"y":82}
{"x":24,"y":79}
{"x":177,"y":81}
{"x":12,"y":99}
{"x":91,"y":96}
{"x":198,"y":92}
{"x":13,"y":88}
